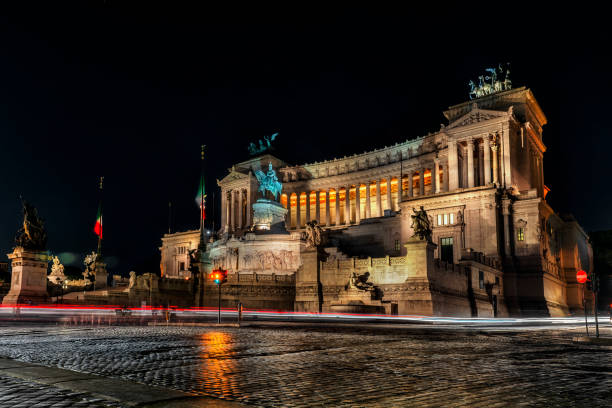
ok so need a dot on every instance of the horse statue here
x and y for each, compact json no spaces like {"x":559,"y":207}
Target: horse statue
{"x":32,"y":234}
{"x":268,"y":182}
{"x":265,"y":144}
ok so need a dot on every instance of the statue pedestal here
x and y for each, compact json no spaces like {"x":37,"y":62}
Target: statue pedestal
{"x":28,"y":277}
{"x":101,"y":275}
{"x":269,"y":215}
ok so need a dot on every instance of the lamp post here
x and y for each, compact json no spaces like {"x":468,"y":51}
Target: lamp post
{"x":219,"y":276}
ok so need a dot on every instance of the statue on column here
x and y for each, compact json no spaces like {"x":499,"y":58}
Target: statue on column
{"x":421,"y":224}
{"x":32,"y":234}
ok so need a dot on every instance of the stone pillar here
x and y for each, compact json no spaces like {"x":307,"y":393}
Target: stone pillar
{"x":453,"y":166}
{"x":298,"y":215}
{"x":28,"y":277}
{"x":422,"y":182}
{"x":232,"y":210}
{"x":379,"y":198}
{"x":327,"y":213}
{"x":223,"y":209}
{"x":308,"y":218}
{"x":368,"y":211}
{"x":318,"y":206}
{"x":410,"y":192}
{"x":347,"y":205}
{"x":487,"y":160}
{"x":470,"y":162}
{"x":446,"y":176}
{"x":337,"y":206}
{"x":239,"y":223}
{"x":357,"y":204}
{"x":494,"y":149}
{"x":249,"y":221}
{"x":436,"y":178}
{"x":389,"y":203}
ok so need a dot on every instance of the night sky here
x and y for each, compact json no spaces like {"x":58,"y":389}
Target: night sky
{"x":131,"y":93}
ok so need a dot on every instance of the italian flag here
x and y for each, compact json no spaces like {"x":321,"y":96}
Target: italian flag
{"x":98,"y":226}
{"x":201,"y":197}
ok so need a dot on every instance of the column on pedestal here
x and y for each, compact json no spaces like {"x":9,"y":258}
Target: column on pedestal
{"x":379,"y":198}
{"x":232,"y":210}
{"x":453,"y":166}
{"x":487,"y":160}
{"x":223,"y":209}
{"x":470,"y":162}
{"x":368,"y":210}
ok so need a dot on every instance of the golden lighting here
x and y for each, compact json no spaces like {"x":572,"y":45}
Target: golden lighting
{"x":216,"y":348}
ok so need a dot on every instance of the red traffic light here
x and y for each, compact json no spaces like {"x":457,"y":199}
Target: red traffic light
{"x":219,"y":276}
{"x":581,"y":276}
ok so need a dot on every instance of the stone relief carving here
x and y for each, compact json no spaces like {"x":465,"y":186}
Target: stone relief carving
{"x":278,"y":260}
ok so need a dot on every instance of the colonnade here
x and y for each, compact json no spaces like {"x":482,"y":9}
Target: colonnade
{"x":473,"y":162}
{"x":236,"y":205}
{"x":349,"y":204}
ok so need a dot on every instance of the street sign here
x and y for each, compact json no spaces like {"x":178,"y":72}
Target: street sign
{"x":581,"y":276}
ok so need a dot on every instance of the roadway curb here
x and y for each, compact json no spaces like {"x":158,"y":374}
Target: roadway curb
{"x":193,"y":324}
{"x":123,"y":391}
{"x":601,"y":341}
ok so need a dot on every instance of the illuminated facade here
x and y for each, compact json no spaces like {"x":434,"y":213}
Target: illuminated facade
{"x":480,"y":179}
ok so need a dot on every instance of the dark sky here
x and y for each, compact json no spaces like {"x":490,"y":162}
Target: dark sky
{"x":132,"y":92}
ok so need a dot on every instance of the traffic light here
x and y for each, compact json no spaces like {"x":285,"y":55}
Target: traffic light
{"x":218,"y":276}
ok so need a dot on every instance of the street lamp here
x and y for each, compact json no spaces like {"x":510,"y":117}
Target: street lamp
{"x":219,"y":276}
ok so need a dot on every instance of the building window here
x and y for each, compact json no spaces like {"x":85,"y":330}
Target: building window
{"x":439,"y":219}
{"x":446,"y":249}
{"x":481,"y":279}
{"x":445,"y":219}
{"x":181,"y":266}
{"x":520,"y":234}
{"x":452,"y":218}
{"x":397,"y":245}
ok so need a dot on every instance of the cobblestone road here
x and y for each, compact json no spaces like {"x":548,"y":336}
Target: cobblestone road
{"x":325,"y":367}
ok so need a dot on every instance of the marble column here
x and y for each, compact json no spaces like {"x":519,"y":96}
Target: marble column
{"x":470,"y":162}
{"x":487,"y":160}
{"x":494,"y":149}
{"x":347,"y":205}
{"x":422,"y":182}
{"x":410,"y":192}
{"x":308,"y":209}
{"x":249,"y":207}
{"x":436,"y":175}
{"x":357,"y":204}
{"x":239,"y":223}
{"x":337,"y":206}
{"x":368,"y":211}
{"x":232,"y":210}
{"x":389,"y":203}
{"x":223,"y":209}
{"x":327,"y":214}
{"x":298,"y":215}
{"x":318,"y":206}
{"x":453,"y":166}
{"x":379,"y":198}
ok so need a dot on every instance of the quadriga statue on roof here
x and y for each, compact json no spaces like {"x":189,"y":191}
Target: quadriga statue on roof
{"x":269,"y":182}
{"x":32,"y":234}
{"x":265,"y":144}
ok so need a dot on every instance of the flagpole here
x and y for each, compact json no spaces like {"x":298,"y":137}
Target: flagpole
{"x":101,"y":221}
{"x":202,"y":241}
